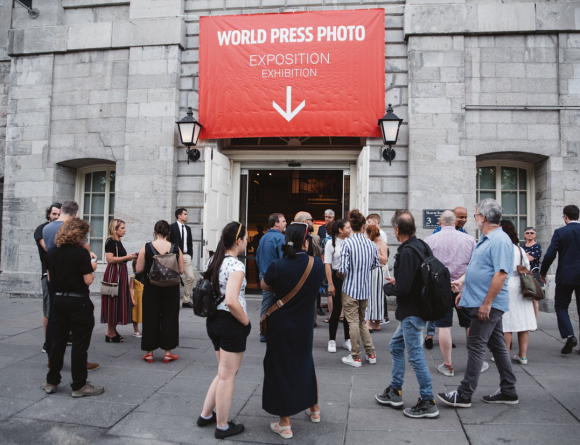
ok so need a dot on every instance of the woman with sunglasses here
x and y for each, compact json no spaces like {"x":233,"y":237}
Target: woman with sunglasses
{"x":228,"y":328}
{"x":534,"y":252}
{"x":290,"y":384}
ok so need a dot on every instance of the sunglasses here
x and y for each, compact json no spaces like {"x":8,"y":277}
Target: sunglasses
{"x":529,"y":233}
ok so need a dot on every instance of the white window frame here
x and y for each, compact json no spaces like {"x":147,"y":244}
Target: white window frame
{"x":530,"y":184}
{"x":80,"y":198}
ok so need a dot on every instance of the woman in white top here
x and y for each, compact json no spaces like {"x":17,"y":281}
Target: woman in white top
{"x":228,"y":329}
{"x":339,"y":230}
{"x":521,"y":317}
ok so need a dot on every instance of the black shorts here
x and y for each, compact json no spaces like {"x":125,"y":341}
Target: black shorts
{"x":462,"y":315}
{"x":227,"y":333}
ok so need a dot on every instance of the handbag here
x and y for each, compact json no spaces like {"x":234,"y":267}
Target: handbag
{"x":530,"y":286}
{"x":286,"y":299}
{"x":110,"y":283}
{"x":203,"y":299}
{"x":164,"y":271}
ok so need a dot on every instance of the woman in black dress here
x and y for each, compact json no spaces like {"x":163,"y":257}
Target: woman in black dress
{"x":533,"y":250}
{"x":290,"y":384}
{"x":117,"y":310}
{"x":160,"y":304}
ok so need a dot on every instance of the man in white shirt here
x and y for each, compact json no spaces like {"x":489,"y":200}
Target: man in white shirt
{"x":180,"y":234}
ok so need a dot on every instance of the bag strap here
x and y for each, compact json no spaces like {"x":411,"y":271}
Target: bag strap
{"x":294,"y":291}
{"x":521,"y":257}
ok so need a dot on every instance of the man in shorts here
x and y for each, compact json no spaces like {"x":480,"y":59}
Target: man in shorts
{"x":52,"y":214}
{"x":453,"y":248}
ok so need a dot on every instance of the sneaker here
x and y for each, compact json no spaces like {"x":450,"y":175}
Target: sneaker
{"x":348,"y":360}
{"x":423,"y":408}
{"x":570,"y":343}
{"x":346,"y":345}
{"x":319,"y":311}
{"x":204,"y":422}
{"x":484,"y":367}
{"x":499,"y":397}
{"x":372,"y":359}
{"x":446,"y":370}
{"x":231,"y":431}
{"x":88,"y":390}
{"x":331,"y":346}
{"x":50,"y":389}
{"x":92,"y":366}
{"x":44,"y":348}
{"x":390,"y":397}
{"x":520,"y":360}
{"x":137,"y":334}
{"x":385,"y":321}
{"x":429,"y":343}
{"x":453,"y":398}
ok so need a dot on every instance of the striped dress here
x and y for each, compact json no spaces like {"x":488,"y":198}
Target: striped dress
{"x":376,"y":307}
{"x":117,"y":310}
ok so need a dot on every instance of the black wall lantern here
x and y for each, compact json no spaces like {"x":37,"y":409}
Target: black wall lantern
{"x":189,"y":130}
{"x":390,"y":125}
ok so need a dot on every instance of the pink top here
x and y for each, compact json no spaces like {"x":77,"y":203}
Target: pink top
{"x":453,"y":248}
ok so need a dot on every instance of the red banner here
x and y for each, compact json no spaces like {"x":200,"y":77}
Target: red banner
{"x":318,"y":73}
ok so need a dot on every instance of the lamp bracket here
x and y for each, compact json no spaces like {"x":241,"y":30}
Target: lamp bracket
{"x":389,"y":154}
{"x":193,"y":154}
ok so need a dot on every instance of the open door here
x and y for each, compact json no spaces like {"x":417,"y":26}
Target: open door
{"x":218,"y":190}
{"x":360,"y":193}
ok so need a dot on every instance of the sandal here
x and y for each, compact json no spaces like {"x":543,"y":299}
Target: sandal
{"x":148,"y":358}
{"x":116,"y":339}
{"x":117,"y":333}
{"x":283,"y":431}
{"x":326,"y":320}
{"x":169,"y":357}
{"x":311,"y":414}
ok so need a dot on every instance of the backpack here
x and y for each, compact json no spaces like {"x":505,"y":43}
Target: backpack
{"x":203,"y":299}
{"x":436,"y":295}
{"x":164,"y":271}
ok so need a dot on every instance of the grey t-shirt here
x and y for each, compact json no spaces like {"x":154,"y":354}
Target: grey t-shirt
{"x":49,"y":233}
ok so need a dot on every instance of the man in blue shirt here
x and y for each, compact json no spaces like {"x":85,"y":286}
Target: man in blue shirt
{"x":269,"y":249}
{"x":485,"y":294}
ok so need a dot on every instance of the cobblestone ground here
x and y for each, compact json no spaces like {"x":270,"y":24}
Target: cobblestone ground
{"x":155,"y":404}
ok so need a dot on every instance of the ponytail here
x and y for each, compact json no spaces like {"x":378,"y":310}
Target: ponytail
{"x":335,"y":229}
{"x":296,"y":234}
{"x":231,"y":233}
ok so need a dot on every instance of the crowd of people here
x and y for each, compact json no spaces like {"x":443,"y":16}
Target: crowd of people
{"x":295,"y":265}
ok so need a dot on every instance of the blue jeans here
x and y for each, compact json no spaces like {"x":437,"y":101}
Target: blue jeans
{"x":431,"y":328}
{"x":268,"y":299}
{"x":409,"y":336}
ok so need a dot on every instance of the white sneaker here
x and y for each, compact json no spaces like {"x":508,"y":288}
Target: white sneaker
{"x":521,"y":361}
{"x":372,"y":359}
{"x":484,"y":367}
{"x":331,"y":346}
{"x":137,"y":334}
{"x":348,"y":360}
{"x":445,"y":370}
{"x":346,"y":345}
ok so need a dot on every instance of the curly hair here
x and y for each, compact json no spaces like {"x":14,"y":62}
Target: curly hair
{"x":73,"y":231}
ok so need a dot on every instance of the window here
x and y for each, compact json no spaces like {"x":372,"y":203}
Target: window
{"x":511,"y":185}
{"x":97,"y":204}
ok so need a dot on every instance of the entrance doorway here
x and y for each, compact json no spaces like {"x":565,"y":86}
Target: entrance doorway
{"x":264,"y":192}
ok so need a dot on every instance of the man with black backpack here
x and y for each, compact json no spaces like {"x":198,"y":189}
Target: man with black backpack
{"x":408,"y":286}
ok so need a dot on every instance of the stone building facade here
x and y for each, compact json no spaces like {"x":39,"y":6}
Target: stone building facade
{"x":91,"y":89}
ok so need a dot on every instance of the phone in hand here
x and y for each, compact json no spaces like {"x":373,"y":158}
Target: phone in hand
{"x":93,"y":260}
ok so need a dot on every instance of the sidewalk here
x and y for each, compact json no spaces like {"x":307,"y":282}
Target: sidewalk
{"x":156,"y":404}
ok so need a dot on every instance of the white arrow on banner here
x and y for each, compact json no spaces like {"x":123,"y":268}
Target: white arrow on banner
{"x":289,"y":114}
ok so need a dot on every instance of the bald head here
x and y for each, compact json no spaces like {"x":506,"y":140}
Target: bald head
{"x":302,"y":217}
{"x":461,"y":217}
{"x":447,"y":218}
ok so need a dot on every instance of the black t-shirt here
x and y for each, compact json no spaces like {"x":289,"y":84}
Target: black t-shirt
{"x":41,"y":251}
{"x":66,"y":266}
{"x":114,"y":247}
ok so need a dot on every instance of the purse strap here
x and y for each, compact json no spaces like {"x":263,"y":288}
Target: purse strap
{"x":294,"y":291}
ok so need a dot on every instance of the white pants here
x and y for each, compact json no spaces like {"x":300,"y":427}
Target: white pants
{"x":189,"y":277}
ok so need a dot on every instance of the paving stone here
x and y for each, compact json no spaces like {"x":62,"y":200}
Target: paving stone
{"x":77,"y":411}
{"x":487,"y":414}
{"x":10,"y":406}
{"x":24,"y":432}
{"x":184,"y":405}
{"x":403,"y":436}
{"x":388,"y":418}
{"x":528,"y":434}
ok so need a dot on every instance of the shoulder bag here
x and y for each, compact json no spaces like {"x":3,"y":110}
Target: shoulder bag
{"x":110,"y":283}
{"x":530,"y":286}
{"x":286,"y":299}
